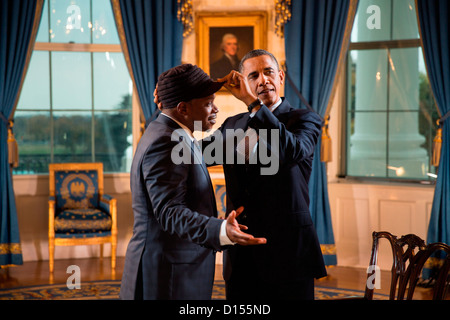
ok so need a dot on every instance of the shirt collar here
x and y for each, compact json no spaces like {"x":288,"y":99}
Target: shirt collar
{"x":188,"y":131}
{"x":272,"y":108}
{"x":276,"y":105}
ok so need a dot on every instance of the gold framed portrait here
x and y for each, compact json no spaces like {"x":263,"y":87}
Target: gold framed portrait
{"x":224,"y":38}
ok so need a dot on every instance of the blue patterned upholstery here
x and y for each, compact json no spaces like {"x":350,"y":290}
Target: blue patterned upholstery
{"x":82,"y":221}
{"x":79,"y":213}
{"x":76,"y":189}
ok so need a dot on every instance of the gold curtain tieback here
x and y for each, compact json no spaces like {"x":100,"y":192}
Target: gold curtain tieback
{"x":325,"y":148}
{"x":437,"y":141}
{"x":13,"y":148}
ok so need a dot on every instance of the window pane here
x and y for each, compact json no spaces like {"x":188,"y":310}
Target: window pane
{"x":113,"y":140}
{"x":384,"y":20}
{"x":43,"y":34}
{"x":366,"y":147}
{"x":35,"y":92}
{"x":32,"y":131}
{"x":70,"y":21}
{"x":406,"y":118}
{"x":104,"y":26}
{"x":112,"y":84}
{"x":71,"y":80}
{"x":369,"y":79}
{"x":407,"y":157}
{"x":404,"y":79}
{"x":62,"y":91}
{"x":72,"y":136}
{"x":390,"y":107}
{"x":404,"y":20}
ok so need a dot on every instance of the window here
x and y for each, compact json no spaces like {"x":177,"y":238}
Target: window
{"x":390,"y":111}
{"x":75,"y":104}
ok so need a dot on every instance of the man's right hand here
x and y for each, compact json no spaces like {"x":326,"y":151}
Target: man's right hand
{"x":238,"y":85}
{"x":235,"y":234}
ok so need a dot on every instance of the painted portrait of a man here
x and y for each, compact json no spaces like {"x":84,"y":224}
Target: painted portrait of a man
{"x":226,"y":45}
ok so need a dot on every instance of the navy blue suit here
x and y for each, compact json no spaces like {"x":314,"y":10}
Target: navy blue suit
{"x":276,"y":206}
{"x":171,"y":254}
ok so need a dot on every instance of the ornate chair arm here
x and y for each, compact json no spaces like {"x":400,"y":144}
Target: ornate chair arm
{"x":109,"y":204}
{"x":51,"y":215}
{"x":106,"y":202}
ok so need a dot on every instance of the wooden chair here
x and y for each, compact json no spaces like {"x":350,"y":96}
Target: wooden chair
{"x":415,"y":268}
{"x":443,"y":281}
{"x":410,"y":253}
{"x":403,"y":250}
{"x":79,"y":212}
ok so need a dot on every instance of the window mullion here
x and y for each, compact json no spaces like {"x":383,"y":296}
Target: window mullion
{"x":52,"y":131}
{"x":92,"y":109}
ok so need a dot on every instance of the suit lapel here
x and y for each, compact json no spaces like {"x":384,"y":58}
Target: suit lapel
{"x":242,"y":123}
{"x":194,"y":149}
{"x":285,"y":106}
{"x":186,"y":140}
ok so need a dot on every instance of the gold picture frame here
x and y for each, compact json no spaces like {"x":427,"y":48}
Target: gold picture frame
{"x":249,"y":28}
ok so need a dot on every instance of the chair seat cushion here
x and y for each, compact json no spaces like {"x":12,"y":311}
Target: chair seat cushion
{"x":82,"y":221}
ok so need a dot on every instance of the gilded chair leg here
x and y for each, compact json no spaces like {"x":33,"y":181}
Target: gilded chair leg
{"x":51,"y":255}
{"x":101,"y":251}
{"x":113,"y":255}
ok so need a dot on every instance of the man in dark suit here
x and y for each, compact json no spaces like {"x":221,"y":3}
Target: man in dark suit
{"x":276,"y":204}
{"x":176,"y":232}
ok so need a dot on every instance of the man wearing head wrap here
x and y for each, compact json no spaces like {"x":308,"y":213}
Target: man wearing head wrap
{"x":176,"y":232}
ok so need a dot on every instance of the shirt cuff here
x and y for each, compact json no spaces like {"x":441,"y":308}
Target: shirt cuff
{"x":224,"y":240}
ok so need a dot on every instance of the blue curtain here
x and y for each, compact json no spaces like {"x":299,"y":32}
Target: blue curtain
{"x":435,"y":31}
{"x":17,"y":22}
{"x":313,"y":40}
{"x":153,"y":37}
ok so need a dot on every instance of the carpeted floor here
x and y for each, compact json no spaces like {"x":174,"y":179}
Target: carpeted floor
{"x":109,"y":290}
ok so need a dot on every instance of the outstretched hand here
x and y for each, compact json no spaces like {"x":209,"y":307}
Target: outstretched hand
{"x":235,"y":234}
{"x":238,"y":85}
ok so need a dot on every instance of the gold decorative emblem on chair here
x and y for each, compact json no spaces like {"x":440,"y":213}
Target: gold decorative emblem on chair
{"x":79,"y":212}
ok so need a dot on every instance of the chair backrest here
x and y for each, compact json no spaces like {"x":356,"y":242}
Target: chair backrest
{"x":443,"y":281}
{"x":76,"y":185}
{"x":403,"y":250}
{"x":437,"y":250}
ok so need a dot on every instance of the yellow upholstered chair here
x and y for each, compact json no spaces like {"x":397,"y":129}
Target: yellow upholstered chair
{"x":79,"y":212}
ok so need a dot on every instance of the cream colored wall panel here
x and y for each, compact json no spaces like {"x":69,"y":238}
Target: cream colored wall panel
{"x":429,"y":206}
{"x":397,"y":208}
{"x":352,"y":228}
{"x":397,"y":217}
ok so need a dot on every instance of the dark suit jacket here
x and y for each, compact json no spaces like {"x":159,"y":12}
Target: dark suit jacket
{"x":171,"y":254}
{"x":276,"y":206}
